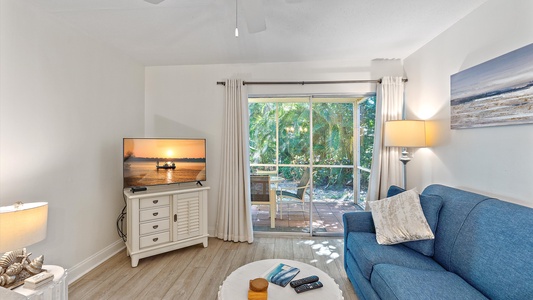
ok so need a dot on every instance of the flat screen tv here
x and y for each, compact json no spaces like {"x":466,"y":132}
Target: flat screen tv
{"x":159,"y":161}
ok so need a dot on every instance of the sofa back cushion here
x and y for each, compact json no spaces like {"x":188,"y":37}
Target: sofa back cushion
{"x":431,"y":206}
{"x":457,"y":204}
{"x":494,"y":250}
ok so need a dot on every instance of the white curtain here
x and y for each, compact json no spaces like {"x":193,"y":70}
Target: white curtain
{"x":234,"y":220}
{"x":386,"y":167}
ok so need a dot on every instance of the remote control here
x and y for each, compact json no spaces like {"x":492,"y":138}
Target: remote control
{"x":305,"y":280}
{"x":308,"y":286}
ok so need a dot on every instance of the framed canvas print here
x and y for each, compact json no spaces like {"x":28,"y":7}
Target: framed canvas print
{"x":496,"y":92}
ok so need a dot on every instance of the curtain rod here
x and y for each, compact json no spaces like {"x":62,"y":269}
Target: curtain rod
{"x":307,"y":82}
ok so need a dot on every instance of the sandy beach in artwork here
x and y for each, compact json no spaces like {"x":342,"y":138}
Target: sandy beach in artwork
{"x":501,"y":109}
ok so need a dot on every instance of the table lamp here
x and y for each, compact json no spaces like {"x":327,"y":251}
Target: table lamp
{"x":21,"y":225}
{"x":405,"y":134}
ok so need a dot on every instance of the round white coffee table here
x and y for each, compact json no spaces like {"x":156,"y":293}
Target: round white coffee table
{"x":235,"y":287}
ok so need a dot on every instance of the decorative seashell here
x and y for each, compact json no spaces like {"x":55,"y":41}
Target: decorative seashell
{"x":7,"y":259}
{"x":14,"y":269}
{"x":36,"y":265}
{"x":6,"y":279}
{"x":12,"y":257}
{"x":23,"y":275}
{"x":1,"y":270}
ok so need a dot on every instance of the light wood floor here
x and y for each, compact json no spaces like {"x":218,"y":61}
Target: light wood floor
{"x":195,"y":272}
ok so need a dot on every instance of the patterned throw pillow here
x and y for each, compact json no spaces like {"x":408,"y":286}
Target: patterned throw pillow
{"x":400,"y":219}
{"x":431,"y":206}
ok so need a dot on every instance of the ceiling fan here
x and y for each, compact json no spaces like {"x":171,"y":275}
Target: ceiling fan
{"x":253,"y":13}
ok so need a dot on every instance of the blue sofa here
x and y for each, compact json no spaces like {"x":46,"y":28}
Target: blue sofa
{"x":483,"y":249}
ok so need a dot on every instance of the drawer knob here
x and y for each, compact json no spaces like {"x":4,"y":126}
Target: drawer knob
{"x":155,"y":226}
{"x":155,"y":239}
{"x":155,"y":201}
{"x":155,"y":214}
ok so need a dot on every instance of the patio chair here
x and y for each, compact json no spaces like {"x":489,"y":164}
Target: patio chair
{"x":261,"y":193}
{"x":294,"y":197}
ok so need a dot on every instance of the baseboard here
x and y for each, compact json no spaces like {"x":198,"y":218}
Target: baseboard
{"x":94,"y":261}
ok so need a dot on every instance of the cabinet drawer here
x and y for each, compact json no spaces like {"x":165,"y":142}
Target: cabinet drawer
{"x":154,"y":239}
{"x":154,"y":213}
{"x":151,"y":227}
{"x":154,"y":202}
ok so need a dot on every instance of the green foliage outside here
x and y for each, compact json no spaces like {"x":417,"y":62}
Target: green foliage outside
{"x":332,"y":136}
{"x":262,"y":133}
{"x":294,"y":133}
{"x":367,"y":115}
{"x":333,"y":143}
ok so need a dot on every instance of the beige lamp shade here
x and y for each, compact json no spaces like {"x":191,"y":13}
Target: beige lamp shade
{"x":22,"y":225}
{"x":405,"y":133}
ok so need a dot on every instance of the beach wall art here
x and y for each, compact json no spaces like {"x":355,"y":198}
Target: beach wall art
{"x":496,"y":92}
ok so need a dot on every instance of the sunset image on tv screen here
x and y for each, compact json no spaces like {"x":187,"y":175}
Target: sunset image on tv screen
{"x":163,"y":161}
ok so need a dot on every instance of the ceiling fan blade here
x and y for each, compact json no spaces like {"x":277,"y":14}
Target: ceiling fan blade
{"x":154,"y":1}
{"x":254,"y":15}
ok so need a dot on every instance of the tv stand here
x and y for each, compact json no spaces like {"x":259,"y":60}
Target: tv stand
{"x":165,"y":219}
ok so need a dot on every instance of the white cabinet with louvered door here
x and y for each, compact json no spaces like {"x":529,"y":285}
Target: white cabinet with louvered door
{"x":163,"y":219}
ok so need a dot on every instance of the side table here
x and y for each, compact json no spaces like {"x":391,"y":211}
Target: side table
{"x":56,"y":290}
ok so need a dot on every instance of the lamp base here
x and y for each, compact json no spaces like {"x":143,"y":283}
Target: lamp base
{"x":405,"y":159}
{"x":405,"y":156}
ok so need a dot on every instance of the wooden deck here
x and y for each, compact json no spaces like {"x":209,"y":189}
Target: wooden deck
{"x":327,"y":217}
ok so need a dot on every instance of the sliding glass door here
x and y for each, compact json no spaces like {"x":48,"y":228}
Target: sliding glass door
{"x":295,"y":138}
{"x":333,"y":162}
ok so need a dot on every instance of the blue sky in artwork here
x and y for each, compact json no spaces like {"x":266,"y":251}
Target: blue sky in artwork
{"x":511,"y":69}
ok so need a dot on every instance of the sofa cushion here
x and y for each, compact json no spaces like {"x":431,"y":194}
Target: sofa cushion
{"x":394,"y":190}
{"x":368,"y":253}
{"x":457,"y":205}
{"x":397,"y":282}
{"x":361,"y":285}
{"x":400,"y":219}
{"x":431,"y":206}
{"x":494,"y":250}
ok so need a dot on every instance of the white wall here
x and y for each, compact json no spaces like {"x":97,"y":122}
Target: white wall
{"x":184,"y":101}
{"x":497,"y":161}
{"x":65,"y":104}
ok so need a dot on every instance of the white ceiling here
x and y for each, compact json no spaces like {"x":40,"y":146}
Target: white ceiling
{"x":184,"y":32}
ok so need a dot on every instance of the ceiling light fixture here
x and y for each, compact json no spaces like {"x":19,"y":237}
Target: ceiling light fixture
{"x":236,"y":27}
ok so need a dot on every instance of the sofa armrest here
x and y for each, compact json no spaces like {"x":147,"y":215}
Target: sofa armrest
{"x":358,"y":221}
